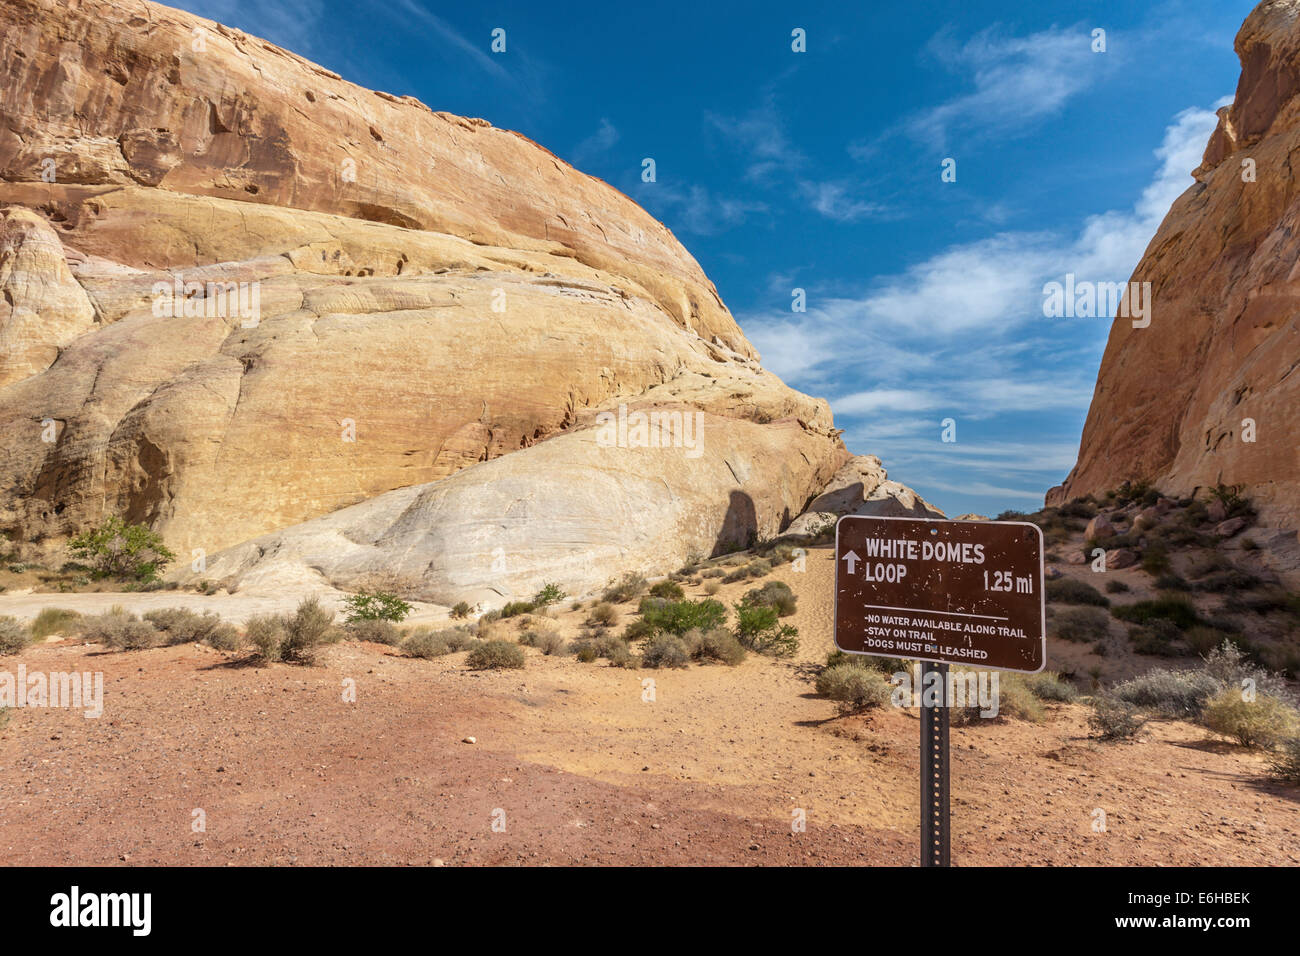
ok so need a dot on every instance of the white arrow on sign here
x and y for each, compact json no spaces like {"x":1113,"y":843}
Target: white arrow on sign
{"x":853,"y":559}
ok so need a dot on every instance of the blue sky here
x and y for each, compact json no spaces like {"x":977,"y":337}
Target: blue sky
{"x":821,"y":170}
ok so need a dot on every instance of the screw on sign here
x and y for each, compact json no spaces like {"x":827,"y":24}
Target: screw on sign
{"x":940,"y":592}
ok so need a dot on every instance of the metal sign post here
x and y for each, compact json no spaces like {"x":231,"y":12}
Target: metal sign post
{"x":934,"y":771}
{"x":940,"y":592}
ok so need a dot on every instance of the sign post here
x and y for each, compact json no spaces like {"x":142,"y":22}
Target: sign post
{"x":940,"y":592}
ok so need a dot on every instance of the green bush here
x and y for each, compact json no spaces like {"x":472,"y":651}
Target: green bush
{"x":549,"y":594}
{"x":1116,"y":586}
{"x":54,"y":620}
{"x":515,"y":608}
{"x":14,"y":635}
{"x":117,"y":549}
{"x":374,"y":606}
{"x":495,"y":655}
{"x":665,"y":650}
{"x":758,"y":628}
{"x":622,"y":656}
{"x":854,"y":687}
{"x":1079,"y":624}
{"x":180,"y":625}
{"x":1160,"y":638}
{"x":1263,"y":722}
{"x":773,"y":594}
{"x":1155,"y":560}
{"x":461,"y":610}
{"x":1178,"y":610}
{"x":1071,"y":591}
{"x":678,"y":617}
{"x":1115,"y":719}
{"x":668,"y":589}
{"x":1172,"y":693}
{"x":374,"y":630}
{"x":627,"y":588}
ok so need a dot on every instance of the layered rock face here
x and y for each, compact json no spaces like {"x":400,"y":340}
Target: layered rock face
{"x":242,"y":294}
{"x":1178,"y":403}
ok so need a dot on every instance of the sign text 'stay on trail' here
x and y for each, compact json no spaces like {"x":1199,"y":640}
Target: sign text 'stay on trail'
{"x":960,"y":592}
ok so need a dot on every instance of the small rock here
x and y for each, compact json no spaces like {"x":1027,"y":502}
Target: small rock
{"x":470,"y":740}
{"x":1076,"y":557}
{"x":1099,"y":528}
{"x":1230,"y":527}
{"x":1121,"y":558}
{"x":1216,"y":511}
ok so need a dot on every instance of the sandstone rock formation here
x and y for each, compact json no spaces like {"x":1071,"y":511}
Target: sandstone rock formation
{"x":862,"y":487}
{"x":244,"y":295}
{"x":1173,"y":400}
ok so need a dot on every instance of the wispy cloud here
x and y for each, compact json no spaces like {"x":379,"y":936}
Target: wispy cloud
{"x":475,"y":53}
{"x":595,"y":145}
{"x":694,"y":208}
{"x":761,"y":137}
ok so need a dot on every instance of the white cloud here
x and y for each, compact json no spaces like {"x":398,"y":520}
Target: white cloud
{"x":596,"y":144}
{"x":833,"y":200}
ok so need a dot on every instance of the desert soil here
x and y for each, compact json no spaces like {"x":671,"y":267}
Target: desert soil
{"x":581,"y":766}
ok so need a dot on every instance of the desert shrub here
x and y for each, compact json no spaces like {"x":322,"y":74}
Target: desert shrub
{"x":425,"y":642}
{"x":376,"y":631}
{"x":774,"y":594}
{"x":1049,"y":685}
{"x":1079,"y":624}
{"x":1155,"y":560}
{"x":668,"y":589}
{"x":549,"y":594}
{"x":495,"y":655}
{"x":461,"y":610}
{"x":740,"y":574}
{"x":1070,"y":591}
{"x":1285,"y":764}
{"x":266,"y":633}
{"x":622,"y":656}
{"x":117,"y":549}
{"x":604,"y":614}
{"x":759,"y":567}
{"x":545,"y":640}
{"x":718,"y":644}
{"x":375,"y":606}
{"x":712,"y":573}
{"x":1226,"y":581}
{"x":1171,"y":582}
{"x":758,"y":628}
{"x":678,"y":617}
{"x":294,"y":638}
{"x":14,"y":635}
{"x":1116,"y":586}
{"x":180,"y":625}
{"x":1267,"y":601}
{"x":1115,"y":719}
{"x":1228,"y":664}
{"x":1171,"y":693}
{"x":712,"y":587}
{"x":1263,"y":722}
{"x":854,"y":687}
{"x":1178,"y":610}
{"x":54,"y":620}
{"x":637,"y":630}
{"x":584,"y":652}
{"x":1015,"y":699}
{"x":515,"y":608}
{"x":664,"y":650}
{"x":627,"y":588}
{"x":119,"y":630}
{"x":1204,"y":638}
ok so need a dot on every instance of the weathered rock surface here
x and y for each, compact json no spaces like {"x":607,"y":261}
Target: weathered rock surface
{"x":244,"y":294}
{"x":862,"y":487}
{"x":1223,"y":345}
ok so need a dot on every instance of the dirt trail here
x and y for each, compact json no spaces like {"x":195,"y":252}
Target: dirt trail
{"x":585,"y":769}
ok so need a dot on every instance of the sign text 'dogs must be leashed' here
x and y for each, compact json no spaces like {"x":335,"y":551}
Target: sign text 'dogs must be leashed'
{"x":957,"y":592}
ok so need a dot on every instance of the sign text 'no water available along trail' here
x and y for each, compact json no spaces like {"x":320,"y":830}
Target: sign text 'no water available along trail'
{"x":960,"y":592}
{"x":940,"y":592}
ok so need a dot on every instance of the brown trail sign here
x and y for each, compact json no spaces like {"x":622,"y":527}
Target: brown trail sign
{"x":940,"y":592}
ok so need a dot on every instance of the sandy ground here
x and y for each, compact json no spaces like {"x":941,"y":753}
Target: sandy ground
{"x":583,"y":768}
